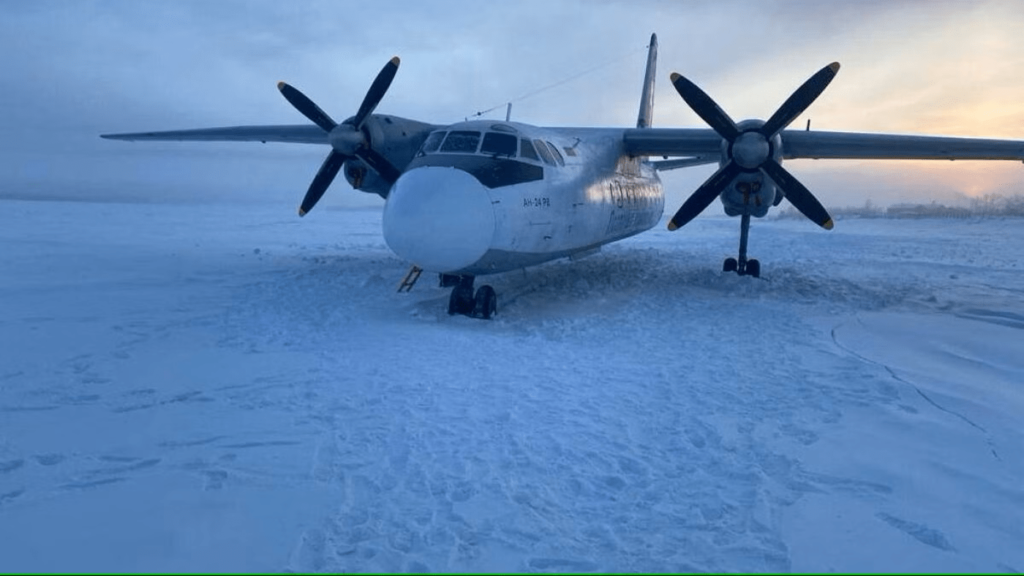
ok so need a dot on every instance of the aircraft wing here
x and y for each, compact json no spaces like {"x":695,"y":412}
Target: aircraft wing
{"x":294,"y":134}
{"x":707,"y":144}
{"x":663,"y":165}
{"x":867,"y":146}
{"x":692,"y":142}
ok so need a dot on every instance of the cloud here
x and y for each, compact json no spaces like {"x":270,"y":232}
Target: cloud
{"x":79,"y":69}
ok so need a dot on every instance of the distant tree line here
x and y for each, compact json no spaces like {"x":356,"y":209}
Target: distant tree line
{"x":989,"y":205}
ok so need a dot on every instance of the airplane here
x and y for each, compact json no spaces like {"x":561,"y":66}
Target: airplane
{"x":482,"y":197}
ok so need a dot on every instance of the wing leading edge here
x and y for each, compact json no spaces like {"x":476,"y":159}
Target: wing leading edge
{"x":292,"y":134}
{"x":703,"y":143}
{"x":869,"y":146}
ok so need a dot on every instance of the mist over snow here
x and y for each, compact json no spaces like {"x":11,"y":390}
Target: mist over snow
{"x":187,"y":387}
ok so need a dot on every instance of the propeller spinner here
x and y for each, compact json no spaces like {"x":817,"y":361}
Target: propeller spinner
{"x":752,"y":149}
{"x":348,"y":140}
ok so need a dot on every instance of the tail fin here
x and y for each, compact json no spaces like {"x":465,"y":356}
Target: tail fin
{"x":646,"y":115}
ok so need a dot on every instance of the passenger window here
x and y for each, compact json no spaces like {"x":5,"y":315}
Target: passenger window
{"x":558,"y":155}
{"x":432,"y":143}
{"x":499,"y":144}
{"x":526,"y":150}
{"x":545,"y":154}
{"x":461,"y":141}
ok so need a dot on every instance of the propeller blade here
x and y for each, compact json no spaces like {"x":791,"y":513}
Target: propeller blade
{"x":376,"y":92}
{"x":322,"y":181}
{"x":804,"y":96}
{"x":798,"y":194}
{"x":306,"y":107}
{"x":705,"y":107}
{"x":705,"y":195}
{"x":379,"y":164}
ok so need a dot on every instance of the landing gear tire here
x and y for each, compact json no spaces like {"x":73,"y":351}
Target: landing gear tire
{"x":729,"y":265}
{"x":461,"y":301}
{"x":753,"y":268}
{"x":486,"y":303}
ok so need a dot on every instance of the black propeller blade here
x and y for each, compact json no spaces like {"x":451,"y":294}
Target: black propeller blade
{"x":378,"y":164}
{"x":705,"y":107}
{"x":377,"y":90}
{"x":307,"y":107}
{"x":324,"y":177}
{"x":751,"y":150}
{"x":798,"y":195}
{"x":704,"y":195}
{"x":804,"y":96}
{"x":347,"y":139}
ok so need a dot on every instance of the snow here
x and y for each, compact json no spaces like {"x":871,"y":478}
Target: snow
{"x":231,"y":388}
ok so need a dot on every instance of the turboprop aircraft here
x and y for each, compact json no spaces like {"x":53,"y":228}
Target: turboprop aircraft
{"x":482,"y":197}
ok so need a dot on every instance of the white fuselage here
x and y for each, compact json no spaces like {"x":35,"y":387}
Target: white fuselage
{"x":485,"y":197}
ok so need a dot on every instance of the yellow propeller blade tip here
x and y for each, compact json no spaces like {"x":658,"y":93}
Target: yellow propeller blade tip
{"x":281,"y":85}
{"x":834,"y":66}
{"x":672,"y":225}
{"x":301,"y":212}
{"x":828,"y":224}
{"x":674,"y":76}
{"x":396,"y":61}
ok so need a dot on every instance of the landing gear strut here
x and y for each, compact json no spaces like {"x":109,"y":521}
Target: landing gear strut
{"x":742,"y":266}
{"x":462,"y":300}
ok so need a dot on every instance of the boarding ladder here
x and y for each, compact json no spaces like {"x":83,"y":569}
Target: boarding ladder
{"x":410,"y":279}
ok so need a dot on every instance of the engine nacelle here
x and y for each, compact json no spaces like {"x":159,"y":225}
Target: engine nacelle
{"x":397,"y":139}
{"x":752,"y":191}
{"x":363,"y":179}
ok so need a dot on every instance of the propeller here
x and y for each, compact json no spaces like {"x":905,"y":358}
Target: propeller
{"x":751,"y":150}
{"x":347,"y":139}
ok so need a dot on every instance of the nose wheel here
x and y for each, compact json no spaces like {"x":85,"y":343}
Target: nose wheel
{"x":483,"y":304}
{"x":741,"y":265}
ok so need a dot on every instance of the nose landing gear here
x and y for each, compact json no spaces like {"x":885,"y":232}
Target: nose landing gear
{"x":742,"y":266}
{"x":484,"y":304}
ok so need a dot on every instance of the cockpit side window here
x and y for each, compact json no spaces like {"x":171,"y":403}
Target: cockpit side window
{"x":526,"y":150}
{"x":557,"y":154}
{"x":499,"y":144}
{"x":461,"y":141}
{"x":545,"y":154}
{"x":433,"y":142}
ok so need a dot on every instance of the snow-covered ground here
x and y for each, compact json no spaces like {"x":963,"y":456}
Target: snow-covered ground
{"x":231,"y":388}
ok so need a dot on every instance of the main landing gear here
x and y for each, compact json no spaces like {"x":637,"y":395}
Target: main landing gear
{"x":742,"y":266}
{"x":462,"y":301}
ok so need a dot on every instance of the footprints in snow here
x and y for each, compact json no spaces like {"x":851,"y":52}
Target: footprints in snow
{"x":115,"y":473}
{"x":920,"y":532}
{"x":214,"y":479}
{"x":48,"y":459}
{"x":189,"y":443}
{"x":76,"y":473}
{"x":246,"y":445}
{"x":11,"y":465}
{"x":91,"y":483}
{"x":184,"y":397}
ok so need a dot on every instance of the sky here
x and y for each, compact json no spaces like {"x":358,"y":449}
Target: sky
{"x":74,"y":70}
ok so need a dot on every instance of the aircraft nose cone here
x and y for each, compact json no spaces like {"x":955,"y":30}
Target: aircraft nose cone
{"x":439,"y":218}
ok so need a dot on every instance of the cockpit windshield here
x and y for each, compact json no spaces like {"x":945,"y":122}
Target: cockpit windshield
{"x":461,"y":141}
{"x":542,"y":149}
{"x":499,"y":144}
{"x":433,"y":142}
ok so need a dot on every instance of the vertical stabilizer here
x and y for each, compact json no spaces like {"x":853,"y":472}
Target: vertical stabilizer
{"x":647,"y":97}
